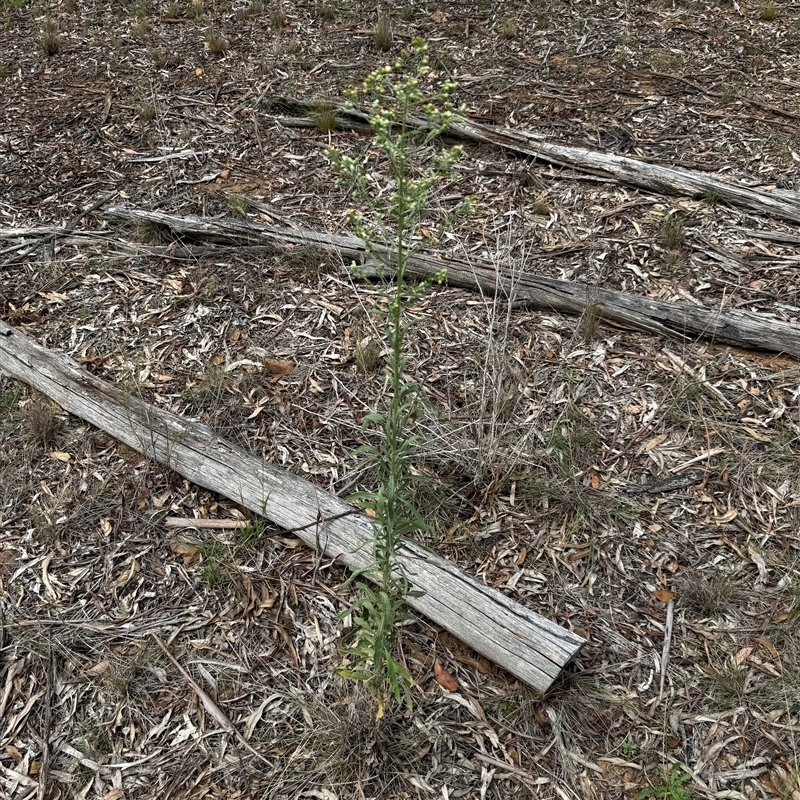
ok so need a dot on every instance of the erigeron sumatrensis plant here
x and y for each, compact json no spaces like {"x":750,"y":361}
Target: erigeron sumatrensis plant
{"x":389,"y":230}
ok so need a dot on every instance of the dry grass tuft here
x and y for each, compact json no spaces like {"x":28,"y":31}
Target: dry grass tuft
{"x":49,"y":40}
{"x":383,"y":35}
{"x":769,"y":11}
{"x":710,"y":597}
{"x":325,"y":119}
{"x":239,"y":205}
{"x":327,"y":12}
{"x":195,"y":10}
{"x":368,"y":356}
{"x":141,"y":28}
{"x":673,"y":232}
{"x":277,"y":18}
{"x":340,"y":742}
{"x":216,"y":43}
{"x":163,"y":59}
{"x":541,"y":206}
{"x":43,"y":424}
{"x":508,"y":29}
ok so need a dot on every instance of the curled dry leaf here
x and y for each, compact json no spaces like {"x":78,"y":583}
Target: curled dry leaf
{"x":187,"y":551}
{"x":444,"y":678}
{"x":276,"y":367}
{"x":664,"y":595}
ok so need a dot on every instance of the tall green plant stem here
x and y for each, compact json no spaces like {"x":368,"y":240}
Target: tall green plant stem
{"x":376,"y":613}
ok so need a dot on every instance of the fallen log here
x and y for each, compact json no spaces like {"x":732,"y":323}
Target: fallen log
{"x":779,"y":203}
{"x":740,"y":328}
{"x":529,"y":646}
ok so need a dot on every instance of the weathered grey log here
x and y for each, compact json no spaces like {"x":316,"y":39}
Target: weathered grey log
{"x":740,"y":328}
{"x":779,"y":203}
{"x":529,"y":646}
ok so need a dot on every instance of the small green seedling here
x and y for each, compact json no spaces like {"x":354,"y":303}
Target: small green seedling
{"x":673,"y":788}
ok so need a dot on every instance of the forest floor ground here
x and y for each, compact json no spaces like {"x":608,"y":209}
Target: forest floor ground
{"x":536,"y":425}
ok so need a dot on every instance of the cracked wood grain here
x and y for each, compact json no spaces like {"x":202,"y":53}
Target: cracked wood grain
{"x":529,"y":646}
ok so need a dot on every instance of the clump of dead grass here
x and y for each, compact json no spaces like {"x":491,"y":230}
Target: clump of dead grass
{"x":195,"y":10}
{"x":10,"y":396}
{"x":325,"y":118}
{"x":141,"y":28}
{"x":43,"y":423}
{"x":239,"y":205}
{"x":49,"y":40}
{"x":768,"y":11}
{"x":368,"y":354}
{"x":673,"y":232}
{"x":710,"y":597}
{"x":508,"y":28}
{"x":383,"y":35}
{"x":162,"y":59}
{"x":277,"y":18}
{"x":216,"y":43}
{"x":327,"y":12}
{"x":335,"y":738}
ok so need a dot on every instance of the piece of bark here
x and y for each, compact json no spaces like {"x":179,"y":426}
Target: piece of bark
{"x":529,"y":646}
{"x":740,"y":328}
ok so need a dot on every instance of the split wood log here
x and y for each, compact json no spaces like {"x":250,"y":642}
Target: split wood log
{"x":529,"y":646}
{"x":779,"y":203}
{"x":740,"y":328}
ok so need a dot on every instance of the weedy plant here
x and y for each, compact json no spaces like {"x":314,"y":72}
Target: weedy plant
{"x":325,"y":118}
{"x":195,"y":10}
{"x":390,"y":235}
{"x":239,"y":205}
{"x":43,"y":424}
{"x":729,"y":94}
{"x":327,"y":12}
{"x":141,"y":29}
{"x":143,"y":103}
{"x":508,"y":29}
{"x":673,"y":232}
{"x":673,"y":788}
{"x":162,"y":58}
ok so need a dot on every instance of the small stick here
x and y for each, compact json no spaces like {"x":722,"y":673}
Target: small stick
{"x":210,"y":706}
{"x":186,"y":522}
{"x":665,"y":651}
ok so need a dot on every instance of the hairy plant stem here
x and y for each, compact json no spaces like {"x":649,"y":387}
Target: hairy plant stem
{"x":377,"y":612}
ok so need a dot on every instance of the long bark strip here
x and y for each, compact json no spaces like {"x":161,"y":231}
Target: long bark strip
{"x":739,"y":328}
{"x":529,"y":646}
